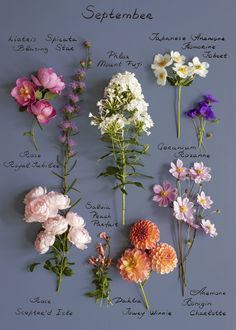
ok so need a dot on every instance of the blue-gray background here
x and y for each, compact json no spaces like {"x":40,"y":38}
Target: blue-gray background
{"x":212,"y":262}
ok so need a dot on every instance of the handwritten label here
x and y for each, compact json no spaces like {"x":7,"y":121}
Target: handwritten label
{"x":100,"y":215}
{"x":200,"y":303}
{"x":210,"y":46}
{"x":39,"y":307}
{"x":91,"y":12}
{"x":118,"y":59}
{"x":28,"y":160}
{"x":132,"y":308}
{"x":183,"y":151}
{"x":44,"y":44}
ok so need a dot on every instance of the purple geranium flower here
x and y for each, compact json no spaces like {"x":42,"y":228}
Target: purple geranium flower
{"x":210,"y":98}
{"x":207,"y":113}
{"x":192,"y":113}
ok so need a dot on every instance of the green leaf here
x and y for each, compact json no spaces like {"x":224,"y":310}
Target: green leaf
{"x":75,"y":203}
{"x":22,"y":109}
{"x":38,"y":95}
{"x":215,"y":121}
{"x":106,"y":155}
{"x":110,"y":170}
{"x":55,"y":270}
{"x":47,"y":265}
{"x":28,"y":133}
{"x":49,"y":96}
{"x":68,"y":271}
{"x":137,"y":184}
{"x":31,"y":267}
{"x":73,"y":166}
{"x":58,"y":175}
{"x":72,"y":184}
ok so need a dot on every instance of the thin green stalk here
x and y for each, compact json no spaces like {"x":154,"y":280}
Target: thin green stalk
{"x":123,"y":160}
{"x":144,"y":296}
{"x":179,"y":112}
{"x":33,"y":134}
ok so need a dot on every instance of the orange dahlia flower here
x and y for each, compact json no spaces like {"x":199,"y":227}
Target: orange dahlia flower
{"x":134,"y":265}
{"x":144,"y":234}
{"x":163,"y":258}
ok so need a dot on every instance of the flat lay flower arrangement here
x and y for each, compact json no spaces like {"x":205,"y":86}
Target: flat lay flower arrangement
{"x":147,"y":255}
{"x":202,"y":115}
{"x":61,"y":228}
{"x":33,"y":96}
{"x":191,"y":207}
{"x":172,"y":68}
{"x":122,"y":119}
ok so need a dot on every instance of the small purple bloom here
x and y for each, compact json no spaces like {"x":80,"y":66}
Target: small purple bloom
{"x":62,"y":138}
{"x":71,"y":142}
{"x":192,"y":113}
{"x":207,"y":113}
{"x":74,"y":84}
{"x":68,"y":124}
{"x":81,"y":85}
{"x":80,"y":74}
{"x":69,"y":108}
{"x":210,"y":98}
{"x":73,"y":98}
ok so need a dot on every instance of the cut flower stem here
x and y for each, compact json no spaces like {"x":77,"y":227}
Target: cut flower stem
{"x":179,"y":112}
{"x":144,"y":296}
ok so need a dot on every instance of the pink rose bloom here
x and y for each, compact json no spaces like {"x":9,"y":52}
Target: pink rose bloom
{"x":183,"y":209}
{"x":75,"y":220}
{"x":204,"y":201}
{"x":79,"y":237}
{"x":200,"y":173}
{"x":43,"y":111}
{"x":56,"y":226}
{"x":48,"y":79}
{"x":43,"y":241}
{"x":58,"y":201}
{"x":38,"y":210}
{"x":209,"y":228}
{"x":34,"y":193}
{"x":164,"y":194}
{"x":179,"y":171}
{"x":24,"y":92}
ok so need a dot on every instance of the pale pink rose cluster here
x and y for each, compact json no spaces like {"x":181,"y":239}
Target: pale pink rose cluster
{"x":33,"y":94}
{"x":44,"y":208}
{"x":189,"y":202}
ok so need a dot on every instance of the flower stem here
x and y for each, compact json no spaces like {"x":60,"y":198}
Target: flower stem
{"x":123,"y":206}
{"x":33,"y":135}
{"x":181,"y":260}
{"x":179,"y":111}
{"x":144,"y":296}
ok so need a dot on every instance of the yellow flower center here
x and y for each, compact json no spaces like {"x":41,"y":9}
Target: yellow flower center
{"x":183,"y":70}
{"x":24,"y":91}
{"x":203,"y":201}
{"x":183,"y":209}
{"x":198,"y":67}
{"x":179,"y":170}
{"x":164,"y":193}
{"x":162,"y":63}
{"x":199,"y":172}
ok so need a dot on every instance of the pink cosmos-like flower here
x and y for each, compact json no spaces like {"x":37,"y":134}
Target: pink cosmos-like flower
{"x":183,"y":209}
{"x":179,"y":171}
{"x":34,"y":193}
{"x":38,"y":210}
{"x":79,"y":237}
{"x":56,"y":226}
{"x":75,"y":220}
{"x":24,"y":92}
{"x":204,"y":201}
{"x":164,"y":194}
{"x":43,"y":110}
{"x":200,"y":173}
{"x":48,"y":79}
{"x":209,"y":228}
{"x":104,"y":236}
{"x":43,"y":241}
